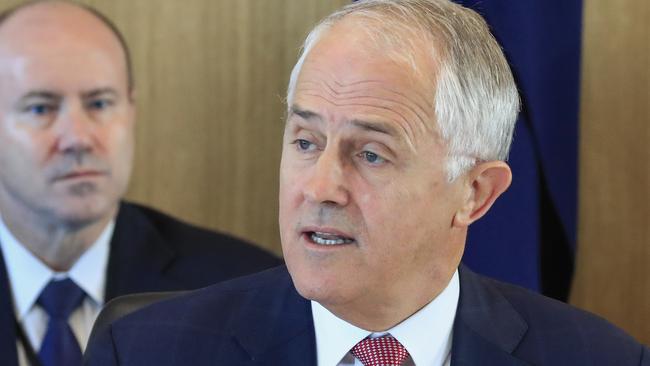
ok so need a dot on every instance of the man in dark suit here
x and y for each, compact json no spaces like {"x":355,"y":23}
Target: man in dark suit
{"x":400,"y":116}
{"x":67,"y":242}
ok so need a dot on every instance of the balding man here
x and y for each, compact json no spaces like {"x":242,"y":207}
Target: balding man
{"x":400,"y":116}
{"x":68,"y":244}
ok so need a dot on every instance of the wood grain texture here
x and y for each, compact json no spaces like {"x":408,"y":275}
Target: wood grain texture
{"x":613,"y":261}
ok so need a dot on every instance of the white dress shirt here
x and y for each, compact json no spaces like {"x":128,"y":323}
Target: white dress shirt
{"x":28,"y":276}
{"x":426,"y":335}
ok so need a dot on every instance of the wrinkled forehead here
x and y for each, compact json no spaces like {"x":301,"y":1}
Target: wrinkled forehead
{"x":346,"y":77}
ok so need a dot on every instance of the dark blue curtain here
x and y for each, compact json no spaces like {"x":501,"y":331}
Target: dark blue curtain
{"x":529,"y":236}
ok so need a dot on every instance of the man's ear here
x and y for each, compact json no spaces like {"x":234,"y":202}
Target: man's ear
{"x":132,"y":95}
{"x":132,"y":104}
{"x":485,"y":183}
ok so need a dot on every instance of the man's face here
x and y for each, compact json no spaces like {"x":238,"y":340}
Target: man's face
{"x":66,"y":118}
{"x":366,"y":212}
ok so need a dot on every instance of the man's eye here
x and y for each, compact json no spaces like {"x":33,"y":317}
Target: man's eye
{"x":100,"y":104}
{"x":372,"y":158}
{"x":304,"y":145}
{"x":40,"y":109}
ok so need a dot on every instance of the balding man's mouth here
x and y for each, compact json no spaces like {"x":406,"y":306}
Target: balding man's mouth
{"x":79,"y":174}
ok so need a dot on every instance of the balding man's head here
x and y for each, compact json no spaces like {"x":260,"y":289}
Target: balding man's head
{"x":66,"y":115}
{"x":47,"y":4}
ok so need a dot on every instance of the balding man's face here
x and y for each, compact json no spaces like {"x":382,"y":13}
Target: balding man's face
{"x":66,"y":118}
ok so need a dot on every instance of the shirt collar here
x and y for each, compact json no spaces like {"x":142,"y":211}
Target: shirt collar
{"x":89,"y":272}
{"x":334,"y":336}
{"x":425,"y":334}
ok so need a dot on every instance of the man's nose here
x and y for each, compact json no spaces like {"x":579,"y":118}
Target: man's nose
{"x":75,"y":130}
{"x":327,"y":182}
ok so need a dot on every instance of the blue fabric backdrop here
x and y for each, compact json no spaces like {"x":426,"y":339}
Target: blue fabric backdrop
{"x":529,"y":236}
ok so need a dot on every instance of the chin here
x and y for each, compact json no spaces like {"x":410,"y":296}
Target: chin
{"x":313,"y":283}
{"x":86,"y":211}
{"x":320,"y":293}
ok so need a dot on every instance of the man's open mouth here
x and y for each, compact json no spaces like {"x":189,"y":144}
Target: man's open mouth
{"x":322,"y":238}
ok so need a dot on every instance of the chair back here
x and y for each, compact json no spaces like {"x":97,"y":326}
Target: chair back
{"x":124,"y":305}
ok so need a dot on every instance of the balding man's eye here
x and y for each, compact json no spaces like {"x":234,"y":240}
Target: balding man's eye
{"x":40,"y":109}
{"x":99,"y":104}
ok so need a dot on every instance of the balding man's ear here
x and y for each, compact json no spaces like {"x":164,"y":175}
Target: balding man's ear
{"x":485,"y":183}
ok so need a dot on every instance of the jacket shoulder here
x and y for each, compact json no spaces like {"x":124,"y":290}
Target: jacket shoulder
{"x":195,"y":245}
{"x":229,"y":297}
{"x":561,"y":334}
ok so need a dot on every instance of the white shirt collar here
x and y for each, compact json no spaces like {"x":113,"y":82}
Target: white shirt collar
{"x":425,"y":334}
{"x":28,"y":275}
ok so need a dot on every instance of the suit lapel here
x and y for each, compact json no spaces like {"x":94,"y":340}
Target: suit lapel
{"x":487,"y":328}
{"x":139,"y":256}
{"x":8,"y":351}
{"x":277,"y":329}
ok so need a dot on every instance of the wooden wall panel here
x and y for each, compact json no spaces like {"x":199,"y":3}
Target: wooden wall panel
{"x":211,"y":79}
{"x":613,"y":262}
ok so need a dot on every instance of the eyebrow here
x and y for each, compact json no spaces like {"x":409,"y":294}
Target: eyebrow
{"x":41,"y":94}
{"x":303,"y":113}
{"x":374,"y":126}
{"x":44,"y":94}
{"x":101,"y":91}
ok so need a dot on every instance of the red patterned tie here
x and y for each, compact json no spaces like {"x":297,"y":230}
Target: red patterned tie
{"x":382,"y":351}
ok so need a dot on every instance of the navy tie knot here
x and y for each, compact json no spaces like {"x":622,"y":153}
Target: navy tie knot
{"x":60,"y":298}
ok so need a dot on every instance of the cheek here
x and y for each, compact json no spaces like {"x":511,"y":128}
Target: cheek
{"x":20,"y":147}
{"x":291,"y":182}
{"x":287,"y":199}
{"x":401,"y":215}
{"x":391,"y":203}
{"x":118,"y":139}
{"x":388,"y":222}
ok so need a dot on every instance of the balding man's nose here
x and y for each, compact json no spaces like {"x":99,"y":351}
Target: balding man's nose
{"x":75,"y":129}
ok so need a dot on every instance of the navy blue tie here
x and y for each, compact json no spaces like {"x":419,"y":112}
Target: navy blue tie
{"x":60,"y":347}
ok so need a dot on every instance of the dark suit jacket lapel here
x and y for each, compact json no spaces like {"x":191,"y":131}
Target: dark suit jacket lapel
{"x":487,"y":328}
{"x":278,"y":328}
{"x":8,"y":351}
{"x":138,"y":257}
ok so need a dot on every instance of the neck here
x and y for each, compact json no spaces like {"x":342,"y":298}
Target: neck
{"x":378,"y":316}
{"x":57,"y":244}
{"x":383,"y":312}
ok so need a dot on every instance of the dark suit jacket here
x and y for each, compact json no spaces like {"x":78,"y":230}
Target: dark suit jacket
{"x":262,"y":320}
{"x":151,"y":251}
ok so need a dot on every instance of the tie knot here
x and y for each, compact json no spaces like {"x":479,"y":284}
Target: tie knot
{"x":382,"y":351}
{"x":60,"y":297}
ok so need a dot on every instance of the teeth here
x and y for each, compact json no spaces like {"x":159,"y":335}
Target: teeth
{"x":329,"y":239}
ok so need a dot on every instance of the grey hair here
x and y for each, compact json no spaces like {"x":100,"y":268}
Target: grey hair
{"x":476,"y":100}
